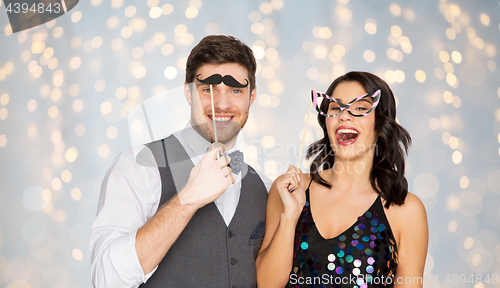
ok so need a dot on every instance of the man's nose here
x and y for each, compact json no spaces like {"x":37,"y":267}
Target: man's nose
{"x":222,"y":100}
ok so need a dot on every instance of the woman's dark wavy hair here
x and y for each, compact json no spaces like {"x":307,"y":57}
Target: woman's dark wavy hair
{"x":387,"y":173}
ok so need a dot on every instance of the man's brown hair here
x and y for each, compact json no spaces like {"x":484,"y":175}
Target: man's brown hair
{"x":220,"y":49}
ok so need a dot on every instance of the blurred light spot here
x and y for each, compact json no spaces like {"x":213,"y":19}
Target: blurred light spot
{"x":80,"y":130}
{"x":191,"y":12}
{"x":117,"y":44}
{"x":343,"y":12}
{"x":276,"y":87}
{"x":96,"y":2}
{"x":47,"y":173}
{"x":66,"y":176}
{"x":112,"y":132}
{"x":32,"y":105}
{"x":457,"y":102}
{"x":452,"y":226}
{"x":76,"y":42}
{"x":267,"y":73}
{"x":113,"y":22}
{"x":434,"y":124}
{"x":7,"y":30}
{"x":456,"y":57}
{"x":325,"y":32}
{"x":77,"y":254}
{"x":270,"y":166}
{"x":439,"y":73}
{"x":103,"y":150}
{"x":75,"y":62}
{"x":121,"y":92}
{"x":170,"y":72}
{"x":56,"y":137}
{"x":395,"y":9}
{"x":76,"y":194}
{"x":4,"y":99}
{"x":96,"y":42}
{"x":4,"y":113}
{"x":106,"y":108}
{"x":420,"y":76}
{"x":464,"y":182}
{"x":447,"y":97}
{"x":268,"y":142}
{"x":159,"y":38}
{"x":426,"y":185}
{"x":139,"y":72}
{"x":271,"y":54}
{"x":399,"y":76}
{"x":369,"y":56}
{"x":389,"y":76}
{"x":275,"y":102}
{"x":339,"y":50}
{"x":468,"y":243}
{"x":493,"y":181}
{"x":3,"y":140}
{"x":371,"y":26}
{"x":448,"y":68}
{"x":37,"y":47}
{"x":26,"y":55}
{"x":78,"y":105}
{"x":71,"y":154}
{"x":257,"y":28}
{"x":130,"y":11}
{"x":187,"y":39}
{"x":56,"y":184}
{"x":312,"y":73}
{"x":453,"y":142}
{"x":180,"y":30}
{"x":264,"y":100}
{"x":153,"y":3}
{"x":455,"y":10}
{"x":32,"y":131}
{"x":99,"y":85}
{"x":167,"y":9}
{"x":396,"y":31}
{"x":76,"y":16}
{"x":47,"y":53}
{"x":451,"y":79}
{"x":444,"y":56}
{"x":211,"y":28}
{"x":479,"y":43}
{"x":127,"y":31}
{"x":266,"y":8}
{"x":53,"y":112}
{"x":491,"y":50}
{"x":167,"y":49}
{"x":456,"y":157}
{"x":453,"y":203}
{"x":138,"y":24}
{"x":409,"y":14}
{"x":485,"y":19}
{"x":492,"y":66}
{"x":258,"y":52}
{"x":451,"y":34}
{"x":254,"y":16}
{"x":155,"y":12}
{"x":320,"y":52}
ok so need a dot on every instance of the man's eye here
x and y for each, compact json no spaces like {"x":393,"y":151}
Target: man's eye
{"x":236,"y":91}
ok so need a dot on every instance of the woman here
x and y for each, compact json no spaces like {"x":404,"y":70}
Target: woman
{"x":351,"y":222}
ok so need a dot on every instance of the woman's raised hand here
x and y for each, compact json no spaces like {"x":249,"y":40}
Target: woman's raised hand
{"x":291,"y":188}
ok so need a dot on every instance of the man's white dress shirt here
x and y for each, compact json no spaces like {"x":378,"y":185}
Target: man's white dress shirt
{"x":130,"y":195}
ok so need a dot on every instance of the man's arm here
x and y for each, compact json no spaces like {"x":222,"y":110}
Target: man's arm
{"x":127,"y":239}
{"x":207,"y":181}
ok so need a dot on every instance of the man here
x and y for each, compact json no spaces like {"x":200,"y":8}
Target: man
{"x":175,"y":215}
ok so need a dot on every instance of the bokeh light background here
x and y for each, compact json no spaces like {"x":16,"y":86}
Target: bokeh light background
{"x":67,"y":88}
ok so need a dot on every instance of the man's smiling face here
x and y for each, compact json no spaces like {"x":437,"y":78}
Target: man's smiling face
{"x":231,"y":105}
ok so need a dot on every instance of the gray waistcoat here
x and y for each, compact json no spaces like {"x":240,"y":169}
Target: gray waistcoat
{"x":208,"y":253}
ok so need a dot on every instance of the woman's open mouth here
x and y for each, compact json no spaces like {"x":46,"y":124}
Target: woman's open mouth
{"x":346,"y":136}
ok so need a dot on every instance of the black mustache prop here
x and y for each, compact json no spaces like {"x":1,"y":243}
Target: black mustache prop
{"x":216,"y":79}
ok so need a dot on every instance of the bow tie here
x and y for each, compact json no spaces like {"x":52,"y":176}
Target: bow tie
{"x":236,"y":161}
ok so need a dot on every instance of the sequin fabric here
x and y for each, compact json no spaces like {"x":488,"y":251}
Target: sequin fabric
{"x":365,"y":255}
